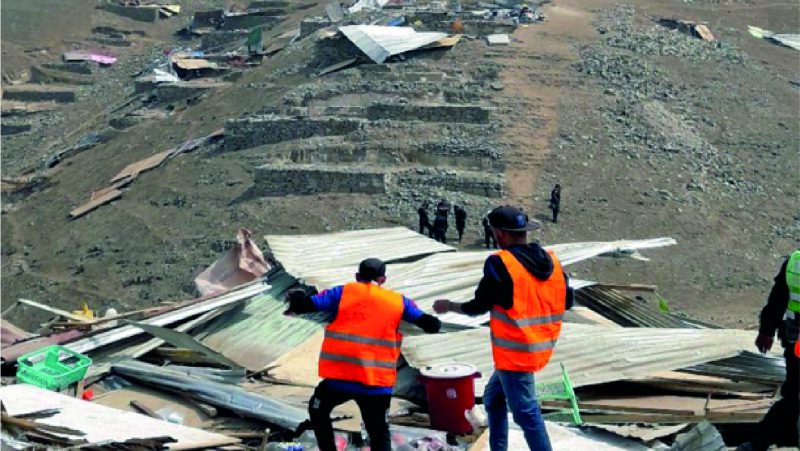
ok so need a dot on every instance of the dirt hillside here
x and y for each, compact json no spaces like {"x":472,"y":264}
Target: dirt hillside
{"x":649,"y":131}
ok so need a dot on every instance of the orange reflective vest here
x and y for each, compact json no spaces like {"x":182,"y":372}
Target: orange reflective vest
{"x":523,"y":337}
{"x":363,"y":343}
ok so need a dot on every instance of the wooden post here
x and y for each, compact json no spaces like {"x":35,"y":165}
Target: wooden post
{"x":264,"y":441}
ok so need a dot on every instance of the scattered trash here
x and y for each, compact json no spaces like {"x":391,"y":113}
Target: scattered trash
{"x":694,"y":29}
{"x":52,"y":368}
{"x":337,"y":67}
{"x":103,"y":60}
{"x":131,"y":172}
{"x":243,"y":263}
{"x":498,"y":39}
{"x":84,"y":422}
{"x":367,"y":4}
{"x":787,"y":40}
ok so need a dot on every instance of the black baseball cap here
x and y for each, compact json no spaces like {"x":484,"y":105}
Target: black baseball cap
{"x":371,"y":268}
{"x":511,"y":219}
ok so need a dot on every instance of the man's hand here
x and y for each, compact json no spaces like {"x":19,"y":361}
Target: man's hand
{"x":442,"y":306}
{"x":764,"y":343}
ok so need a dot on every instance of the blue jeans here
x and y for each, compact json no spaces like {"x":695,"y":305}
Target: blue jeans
{"x":517,"y":391}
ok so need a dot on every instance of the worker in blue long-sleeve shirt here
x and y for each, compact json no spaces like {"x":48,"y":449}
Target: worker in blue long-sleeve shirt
{"x":359,"y":355}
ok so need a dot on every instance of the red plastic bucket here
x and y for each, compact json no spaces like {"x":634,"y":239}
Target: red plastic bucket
{"x":450,"y":388}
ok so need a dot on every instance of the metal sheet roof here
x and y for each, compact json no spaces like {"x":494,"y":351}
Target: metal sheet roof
{"x":627,"y":311}
{"x":591,"y":354}
{"x":257,"y":334}
{"x":309,"y":257}
{"x":324,"y":261}
{"x":380,"y":42}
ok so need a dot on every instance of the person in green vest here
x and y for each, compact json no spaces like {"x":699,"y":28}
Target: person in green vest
{"x":782,"y":313}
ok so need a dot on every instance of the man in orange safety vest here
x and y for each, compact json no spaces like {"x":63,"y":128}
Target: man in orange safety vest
{"x":526,"y":292}
{"x":359,"y":353}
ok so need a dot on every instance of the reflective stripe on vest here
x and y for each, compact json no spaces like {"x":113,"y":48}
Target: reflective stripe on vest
{"x":357,"y":360}
{"x":793,"y":281}
{"x":523,"y":337}
{"x":362,"y":344}
{"x":363,"y":340}
{"x":528,"y":347}
{"x":503,"y":316}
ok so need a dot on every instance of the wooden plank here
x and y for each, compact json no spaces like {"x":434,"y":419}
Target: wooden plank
{"x":99,"y":423}
{"x":139,"y":406}
{"x":140,"y":166}
{"x":107,"y":197}
{"x":53,"y":310}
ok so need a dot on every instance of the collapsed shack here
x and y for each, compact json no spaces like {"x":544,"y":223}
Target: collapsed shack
{"x":230,"y":369}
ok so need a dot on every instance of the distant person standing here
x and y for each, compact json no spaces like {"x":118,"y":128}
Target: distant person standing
{"x":443,"y":207}
{"x":424,"y":221}
{"x":440,"y":221}
{"x":461,"y":220}
{"x":487,"y":233}
{"x":440,"y":227}
{"x":555,"y":201}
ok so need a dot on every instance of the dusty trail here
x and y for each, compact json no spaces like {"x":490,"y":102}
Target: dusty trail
{"x":536,"y":69}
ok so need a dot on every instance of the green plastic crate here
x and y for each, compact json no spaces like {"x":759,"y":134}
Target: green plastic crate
{"x":560,"y":390}
{"x":52,"y":368}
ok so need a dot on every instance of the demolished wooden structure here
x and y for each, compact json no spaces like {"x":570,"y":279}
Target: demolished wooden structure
{"x":232,"y":362}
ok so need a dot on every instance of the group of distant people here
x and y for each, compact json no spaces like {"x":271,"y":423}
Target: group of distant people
{"x":438,"y":229}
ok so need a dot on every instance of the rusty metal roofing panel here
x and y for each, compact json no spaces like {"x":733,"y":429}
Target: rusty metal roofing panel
{"x":591,"y":354}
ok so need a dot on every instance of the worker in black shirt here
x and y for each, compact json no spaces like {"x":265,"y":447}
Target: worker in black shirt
{"x":424,"y":222}
{"x":496,"y":288}
{"x":781,"y":314}
{"x":461,"y":220}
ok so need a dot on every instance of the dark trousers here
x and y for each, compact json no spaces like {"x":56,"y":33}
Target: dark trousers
{"x":425,"y":225}
{"x":460,"y":228}
{"x":555,"y":213}
{"x":374,"y":409}
{"x":487,"y":237}
{"x":440,"y":235}
{"x":779,"y":425}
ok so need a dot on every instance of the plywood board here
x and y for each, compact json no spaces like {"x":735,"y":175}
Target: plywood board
{"x":97,"y":201}
{"x":101,"y":423}
{"x":142,"y":165}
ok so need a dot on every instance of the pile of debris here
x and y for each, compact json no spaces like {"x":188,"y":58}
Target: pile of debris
{"x":230,"y":369}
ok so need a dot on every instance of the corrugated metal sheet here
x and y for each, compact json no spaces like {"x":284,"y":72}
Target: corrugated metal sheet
{"x":748,"y":366}
{"x":591,"y":354}
{"x":258,"y":333}
{"x":118,"y":334}
{"x":626,"y":311}
{"x":324,"y":261}
{"x":380,"y":42}
{"x":315,"y":257}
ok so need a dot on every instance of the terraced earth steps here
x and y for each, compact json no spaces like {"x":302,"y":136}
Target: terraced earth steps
{"x":307,"y":179}
{"x":271,"y":129}
{"x":48,"y":75}
{"x":283,"y":180}
{"x":37,"y":93}
{"x":175,"y":92}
